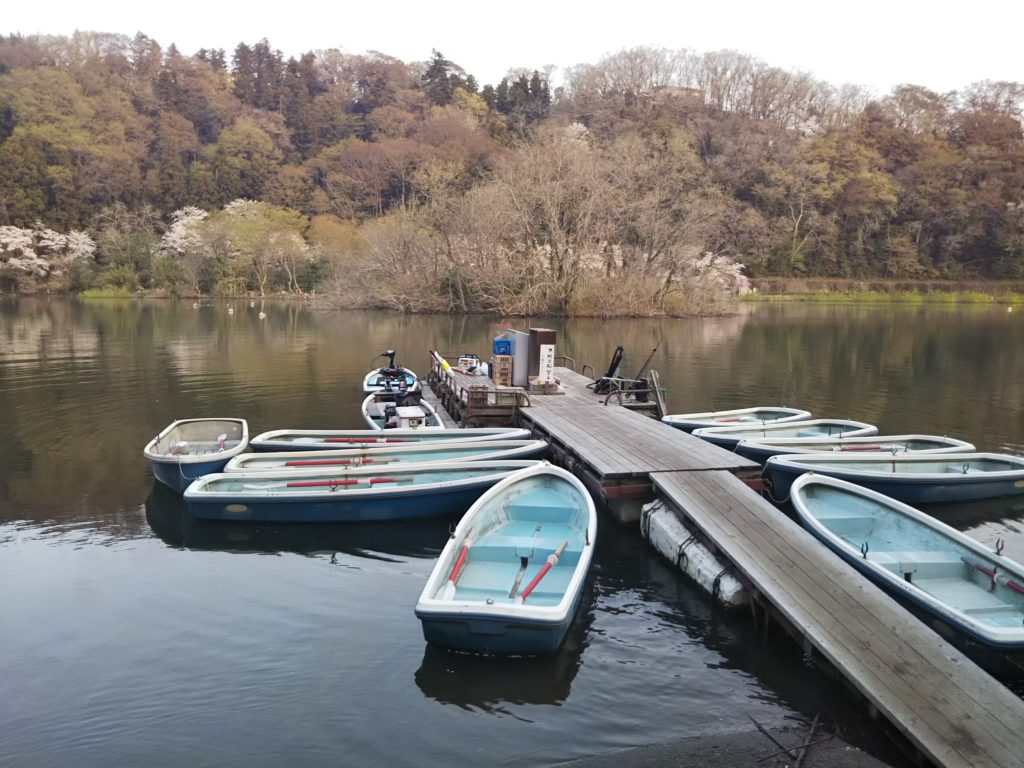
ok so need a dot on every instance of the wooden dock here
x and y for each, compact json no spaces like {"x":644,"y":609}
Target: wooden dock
{"x":946,"y":706}
{"x":949,"y":709}
{"x":614,"y":448}
{"x":617,"y":452}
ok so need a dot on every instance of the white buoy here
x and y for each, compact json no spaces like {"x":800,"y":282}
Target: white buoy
{"x":660,"y":525}
{"x":262,"y":315}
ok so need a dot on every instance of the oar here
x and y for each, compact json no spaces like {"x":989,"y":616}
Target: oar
{"x":322,"y":483}
{"x":366,"y":440}
{"x":551,"y":563}
{"x":997,"y":578}
{"x":449,"y":588}
{"x":343,"y":462}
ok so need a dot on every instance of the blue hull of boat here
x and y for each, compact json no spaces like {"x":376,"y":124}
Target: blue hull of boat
{"x":440,"y":502}
{"x":489,"y":634}
{"x":178,"y":476}
{"x":909,"y":491}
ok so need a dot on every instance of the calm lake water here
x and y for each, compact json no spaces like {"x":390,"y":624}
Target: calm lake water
{"x":131,"y":636}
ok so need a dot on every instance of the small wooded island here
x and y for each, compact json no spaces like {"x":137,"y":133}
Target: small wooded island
{"x":651,"y":182}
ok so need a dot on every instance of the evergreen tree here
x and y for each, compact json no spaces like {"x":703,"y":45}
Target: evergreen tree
{"x":269,"y":69}
{"x":436,"y":82}
{"x":243,"y":73}
{"x":490,"y":96}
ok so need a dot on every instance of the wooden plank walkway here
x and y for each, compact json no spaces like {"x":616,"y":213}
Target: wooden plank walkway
{"x":951,"y":710}
{"x":617,"y":442}
{"x":616,"y":450}
{"x":442,"y":414}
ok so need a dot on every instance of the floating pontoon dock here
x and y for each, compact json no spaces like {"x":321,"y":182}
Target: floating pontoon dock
{"x":947,"y":707}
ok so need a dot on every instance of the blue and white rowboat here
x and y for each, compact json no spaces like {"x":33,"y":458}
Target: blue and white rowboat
{"x":728,"y":437}
{"x":510,"y":578}
{"x":485,"y":450}
{"x":922,"y":562}
{"x":333,"y":439}
{"x":337,"y":495}
{"x":737,"y":417}
{"x":907,"y":477}
{"x":191,"y":448}
{"x":761,"y":449}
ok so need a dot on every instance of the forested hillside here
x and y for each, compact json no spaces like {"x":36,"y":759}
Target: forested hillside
{"x":639,"y":185}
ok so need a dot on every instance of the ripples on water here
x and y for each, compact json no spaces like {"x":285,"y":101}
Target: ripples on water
{"x":134,"y":635}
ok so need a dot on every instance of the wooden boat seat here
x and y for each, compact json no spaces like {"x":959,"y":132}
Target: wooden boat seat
{"x":849,"y":527}
{"x":485,"y":580}
{"x":970,"y":597}
{"x":510,"y":553}
{"x":490,"y":580}
{"x":926,"y":556}
{"x":541,"y":506}
{"x":922,"y":564}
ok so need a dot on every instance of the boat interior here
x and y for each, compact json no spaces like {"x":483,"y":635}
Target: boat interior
{"x":195,"y":438}
{"x":506,"y":556}
{"x":950,"y":572}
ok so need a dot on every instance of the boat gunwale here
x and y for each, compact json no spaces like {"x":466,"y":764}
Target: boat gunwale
{"x":1001,"y":638}
{"x":197,"y":489}
{"x":237,"y":463}
{"x":726,"y":432}
{"x":198,"y":458}
{"x":430,"y":608}
{"x":951,"y":444}
{"x":373,"y":436}
{"x":831,"y":462}
{"x":702,"y":417}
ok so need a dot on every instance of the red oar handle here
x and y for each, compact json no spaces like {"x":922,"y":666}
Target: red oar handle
{"x":459,"y":564}
{"x":861,"y":448}
{"x":992,"y":573}
{"x":551,"y":563}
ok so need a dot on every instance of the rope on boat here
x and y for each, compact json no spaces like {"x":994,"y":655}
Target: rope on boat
{"x":768,"y":490}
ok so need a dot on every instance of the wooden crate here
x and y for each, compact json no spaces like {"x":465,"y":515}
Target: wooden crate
{"x":502,"y":373}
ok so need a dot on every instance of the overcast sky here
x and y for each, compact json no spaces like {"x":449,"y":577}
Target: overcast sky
{"x":874,"y":43}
